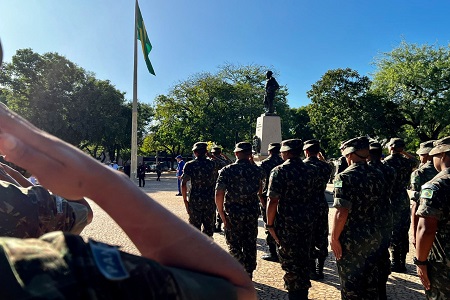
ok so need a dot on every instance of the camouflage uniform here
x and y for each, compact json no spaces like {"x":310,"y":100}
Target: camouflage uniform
{"x":202,"y":174}
{"x":294,"y":184}
{"x":267,"y":165}
{"x":61,"y":266}
{"x":319,"y":243}
{"x":241,"y":182}
{"x":400,"y":206}
{"x":31,"y":212}
{"x":423,"y":174}
{"x":384,"y":264}
{"x":220,"y":163}
{"x":360,"y":189}
{"x":435,"y":203}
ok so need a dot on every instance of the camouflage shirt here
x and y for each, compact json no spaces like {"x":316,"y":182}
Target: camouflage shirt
{"x":360,"y":189}
{"x":435,"y":202}
{"x":423,"y":174}
{"x":241,"y":182}
{"x":202,"y":173}
{"x":267,"y":165}
{"x":295,"y":184}
{"x":403,"y":166}
{"x":31,"y":212}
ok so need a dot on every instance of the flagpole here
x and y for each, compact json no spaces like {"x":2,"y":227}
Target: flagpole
{"x":134,"y":110}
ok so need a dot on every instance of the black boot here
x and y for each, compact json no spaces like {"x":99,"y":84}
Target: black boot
{"x":312,"y":269}
{"x":273,"y":256}
{"x":396,"y":265}
{"x":298,"y":295}
{"x":319,"y":268}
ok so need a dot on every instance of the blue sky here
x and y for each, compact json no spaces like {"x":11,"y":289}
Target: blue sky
{"x":299,"y":39}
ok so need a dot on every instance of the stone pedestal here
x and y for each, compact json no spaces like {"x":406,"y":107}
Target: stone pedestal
{"x":268,"y":129}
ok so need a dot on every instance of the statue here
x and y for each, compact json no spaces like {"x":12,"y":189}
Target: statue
{"x":271,"y":87}
{"x":256,"y":144}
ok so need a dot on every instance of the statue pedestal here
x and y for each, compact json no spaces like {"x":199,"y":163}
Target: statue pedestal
{"x":268,"y":129}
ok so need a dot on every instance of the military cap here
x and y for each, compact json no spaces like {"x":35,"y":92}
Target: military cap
{"x":396,"y":142}
{"x":216,"y":149}
{"x":274,"y":146}
{"x":242,"y":146}
{"x":311,"y":143}
{"x":292,"y":144}
{"x":425,"y":147}
{"x":375,"y":145}
{"x":355,"y":144}
{"x":199,"y":145}
{"x":179,"y":156}
{"x":442,"y":145}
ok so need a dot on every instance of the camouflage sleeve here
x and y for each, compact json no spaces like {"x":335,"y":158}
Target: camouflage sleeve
{"x":186,"y":176}
{"x":414,"y":186}
{"x":431,"y":202}
{"x":64,"y":266}
{"x":275,"y":185}
{"x":341,"y":199}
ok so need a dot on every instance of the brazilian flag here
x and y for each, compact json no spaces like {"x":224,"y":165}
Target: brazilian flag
{"x":145,"y":42}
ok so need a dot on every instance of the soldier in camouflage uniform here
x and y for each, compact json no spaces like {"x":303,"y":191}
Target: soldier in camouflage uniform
{"x":433,"y":230}
{"x":384,"y":264}
{"x":202,"y":173}
{"x":423,"y":174}
{"x":403,"y":163}
{"x":319,"y":244}
{"x":291,"y":212}
{"x":267,"y":165}
{"x":237,"y":189}
{"x":221,"y":160}
{"x":356,"y":236}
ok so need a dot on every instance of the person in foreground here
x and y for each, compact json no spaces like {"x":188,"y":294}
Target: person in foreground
{"x":433,"y":229}
{"x":63,"y":267}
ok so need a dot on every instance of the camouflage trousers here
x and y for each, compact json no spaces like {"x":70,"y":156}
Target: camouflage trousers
{"x":439,"y":275}
{"x":293,"y":251}
{"x":319,"y":240}
{"x":358,"y":268}
{"x":400,"y":232}
{"x":202,"y":216}
{"x":241,"y":237}
{"x":63,"y":266}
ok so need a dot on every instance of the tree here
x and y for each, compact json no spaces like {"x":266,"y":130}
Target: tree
{"x":417,"y":80}
{"x":213,"y":107}
{"x":343,"y":106}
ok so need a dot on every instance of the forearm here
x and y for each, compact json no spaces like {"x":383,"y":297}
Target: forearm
{"x":340,"y":218}
{"x":426,"y":232}
{"x":414,"y":220}
{"x":184,"y":194}
{"x":271,"y":209}
{"x":219,"y":199}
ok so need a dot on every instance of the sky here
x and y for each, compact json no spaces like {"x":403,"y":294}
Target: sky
{"x":298,"y":39}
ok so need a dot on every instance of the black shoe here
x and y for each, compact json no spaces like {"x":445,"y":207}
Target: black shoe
{"x":270,"y":257}
{"x":217,"y":229}
{"x":178,"y":195}
{"x":397,"y":268}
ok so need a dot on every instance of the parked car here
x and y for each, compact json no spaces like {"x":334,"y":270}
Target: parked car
{"x":152,"y":167}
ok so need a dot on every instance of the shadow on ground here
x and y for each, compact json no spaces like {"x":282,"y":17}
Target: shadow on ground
{"x":269,"y":292}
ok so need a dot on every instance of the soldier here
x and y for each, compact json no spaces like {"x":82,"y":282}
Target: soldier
{"x":290,"y":215}
{"x":221,"y":160}
{"x":271,"y":87}
{"x":319,"y":243}
{"x":237,"y":189}
{"x":202,"y":173}
{"x":375,"y":154}
{"x":141,"y":173}
{"x":433,"y":229}
{"x":423,"y":174}
{"x":267,"y":165}
{"x":403,"y":163}
{"x":356,"y":235}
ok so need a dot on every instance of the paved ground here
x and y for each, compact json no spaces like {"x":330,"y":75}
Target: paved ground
{"x":268,"y":276}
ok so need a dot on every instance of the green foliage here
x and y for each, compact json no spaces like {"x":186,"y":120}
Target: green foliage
{"x":221,"y":107}
{"x":417,"y":79}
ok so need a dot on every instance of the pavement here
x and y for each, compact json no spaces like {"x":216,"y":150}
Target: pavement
{"x":268,"y":276}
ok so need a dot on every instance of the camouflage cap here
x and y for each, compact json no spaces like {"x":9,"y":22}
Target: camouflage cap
{"x":199,"y":145}
{"x":311,"y":143}
{"x":425,"y":147}
{"x":242,"y":146}
{"x":374,"y":145}
{"x":216,"y":149}
{"x":442,"y":145}
{"x":292,"y":144}
{"x":274,"y":146}
{"x":396,"y":142}
{"x":355,"y":144}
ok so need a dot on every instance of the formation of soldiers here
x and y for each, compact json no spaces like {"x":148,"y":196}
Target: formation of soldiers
{"x":373,"y":214}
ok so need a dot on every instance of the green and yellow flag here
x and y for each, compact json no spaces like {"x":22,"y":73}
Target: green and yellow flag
{"x":145,"y":42}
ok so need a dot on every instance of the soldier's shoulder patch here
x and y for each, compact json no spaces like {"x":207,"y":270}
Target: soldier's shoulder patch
{"x":337,"y":183}
{"x":426,"y":193}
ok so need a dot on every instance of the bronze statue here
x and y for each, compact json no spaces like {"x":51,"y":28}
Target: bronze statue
{"x":271,"y":87}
